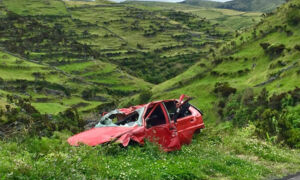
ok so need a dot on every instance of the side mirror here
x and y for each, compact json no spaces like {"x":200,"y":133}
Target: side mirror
{"x":148,"y":125}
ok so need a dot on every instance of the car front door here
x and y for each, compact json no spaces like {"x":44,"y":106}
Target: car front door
{"x":185,"y":122}
{"x":159,"y":129}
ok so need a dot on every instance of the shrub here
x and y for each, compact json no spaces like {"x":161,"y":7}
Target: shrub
{"x":224,"y":89}
{"x":242,"y":117}
{"x":295,"y":94}
{"x":262,"y":99}
{"x":267,"y":125}
{"x":275,"y":102}
{"x":145,"y":96}
{"x":1,"y":80}
{"x":88,"y":94}
{"x":272,"y":121}
{"x":297,"y":47}
{"x":265,"y":45}
{"x":275,"y":50}
{"x":248,"y":97}
{"x":293,"y":15}
{"x":293,"y":139}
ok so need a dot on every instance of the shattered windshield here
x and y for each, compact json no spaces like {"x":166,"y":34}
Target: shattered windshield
{"x":118,"y":118}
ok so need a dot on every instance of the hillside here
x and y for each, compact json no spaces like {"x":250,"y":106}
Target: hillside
{"x":239,"y":5}
{"x":114,"y":59}
{"x":143,"y":41}
{"x":263,"y":61}
{"x":245,"y":62}
{"x":226,"y":19}
{"x":60,"y":68}
{"x":252,"y":5}
{"x":202,"y":3}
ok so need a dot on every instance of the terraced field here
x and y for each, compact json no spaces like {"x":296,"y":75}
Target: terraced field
{"x":60,"y":68}
{"x":50,"y":90}
{"x":113,"y":48}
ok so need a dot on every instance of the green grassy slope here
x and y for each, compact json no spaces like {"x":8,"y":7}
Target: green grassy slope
{"x":50,"y":90}
{"x":142,"y":41}
{"x":227,"y":20}
{"x":52,"y":39}
{"x":252,"y":5}
{"x":212,"y":155}
{"x":246,"y":55}
{"x":150,"y":42}
{"x":71,"y":44}
{"x":34,"y":7}
{"x":239,"y":5}
{"x":202,"y":3}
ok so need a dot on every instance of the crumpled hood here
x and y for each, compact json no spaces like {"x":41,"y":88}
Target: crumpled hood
{"x":96,"y":136}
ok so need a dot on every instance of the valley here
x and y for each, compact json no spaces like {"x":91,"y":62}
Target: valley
{"x":62,"y":63}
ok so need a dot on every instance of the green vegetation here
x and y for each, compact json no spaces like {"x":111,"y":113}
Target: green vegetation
{"x":239,"y":5}
{"x":34,"y":7}
{"x":202,"y":3}
{"x":263,"y":57}
{"x":252,"y":5}
{"x":205,"y":158}
{"x":63,"y":62}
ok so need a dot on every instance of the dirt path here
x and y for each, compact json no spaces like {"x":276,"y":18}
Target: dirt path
{"x":291,"y":177}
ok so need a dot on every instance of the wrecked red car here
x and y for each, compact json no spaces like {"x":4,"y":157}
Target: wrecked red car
{"x":170,"y":123}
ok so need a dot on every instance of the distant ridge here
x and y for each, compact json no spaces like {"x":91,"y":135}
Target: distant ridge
{"x":252,"y":5}
{"x":240,"y":5}
{"x":203,"y":3}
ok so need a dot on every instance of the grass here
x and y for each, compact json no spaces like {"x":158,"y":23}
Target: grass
{"x":114,"y":35}
{"x":36,"y":7}
{"x":219,"y":151}
{"x":49,"y":108}
{"x":14,"y":69}
{"x":212,"y":155}
{"x":255,"y":57}
{"x":229,"y":20}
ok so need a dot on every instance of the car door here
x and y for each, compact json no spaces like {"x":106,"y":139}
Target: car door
{"x":186,"y":122}
{"x":159,"y":129}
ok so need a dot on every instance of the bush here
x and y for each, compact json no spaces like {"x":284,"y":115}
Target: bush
{"x":262,"y":99}
{"x":1,"y":80}
{"x":293,"y":15}
{"x":267,"y":125}
{"x":293,"y":139}
{"x":297,"y":47}
{"x":275,"y":101}
{"x":275,"y":50}
{"x":224,"y":89}
{"x":272,"y":120}
{"x":265,"y":45}
{"x":145,"y":96}
{"x":248,"y":97}
{"x":88,"y":94}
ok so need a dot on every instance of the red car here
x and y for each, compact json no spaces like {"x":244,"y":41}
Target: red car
{"x":170,"y":123}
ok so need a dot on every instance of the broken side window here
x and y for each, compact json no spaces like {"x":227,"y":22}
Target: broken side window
{"x":157,"y":116}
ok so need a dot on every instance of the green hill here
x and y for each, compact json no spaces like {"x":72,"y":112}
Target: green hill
{"x":202,"y":3}
{"x":239,"y":5}
{"x":151,"y":43}
{"x":59,"y":69}
{"x":109,"y":55}
{"x":265,"y":57}
{"x":246,"y":51}
{"x":252,"y":5}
